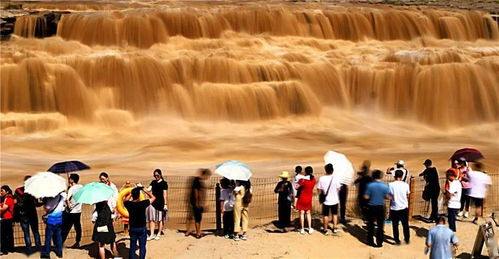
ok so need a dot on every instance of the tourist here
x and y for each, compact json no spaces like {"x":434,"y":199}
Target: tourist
{"x":104,"y":178}
{"x":376,"y":192}
{"x":299,"y":174}
{"x":25,"y":213}
{"x":196,"y":201}
{"x":480,"y":182}
{"x":465,"y":182}
{"x":328,"y":187}
{"x":399,"y":207}
{"x":242,"y":195}
{"x":285,"y":190}
{"x":137,"y":220}
{"x":453,"y":196}
{"x":6,"y":222}
{"x":227,"y":205}
{"x":72,"y":215}
{"x":157,"y":211}
{"x":455,"y":169}
{"x":439,"y":241}
{"x":432,"y":187}
{"x":103,"y":229}
{"x":362,"y":181}
{"x":304,"y":204}
{"x":399,"y":165}
{"x":53,"y":220}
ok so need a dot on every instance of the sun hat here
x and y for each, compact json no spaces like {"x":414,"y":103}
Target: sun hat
{"x":400,"y":162}
{"x":284,"y":174}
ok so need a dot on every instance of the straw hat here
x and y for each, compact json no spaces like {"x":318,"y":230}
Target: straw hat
{"x":284,"y":174}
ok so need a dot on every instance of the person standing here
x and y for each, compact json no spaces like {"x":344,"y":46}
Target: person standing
{"x":362,"y":181}
{"x":439,"y":241}
{"x":54,"y":208}
{"x":399,"y":165}
{"x":432,"y":187}
{"x":304,"y":204}
{"x":6,"y":222}
{"x":480,"y":181}
{"x":464,"y":171}
{"x":72,"y":215}
{"x":103,"y":232}
{"x":399,"y":207}
{"x":137,"y":220}
{"x":376,"y":192}
{"x":328,"y":186}
{"x":25,"y":211}
{"x":104,"y":178}
{"x":453,"y":196}
{"x":196,"y":199}
{"x":157,"y":211}
{"x":299,"y":174}
{"x":242,"y":195}
{"x":285,"y":190}
{"x":227,"y":204}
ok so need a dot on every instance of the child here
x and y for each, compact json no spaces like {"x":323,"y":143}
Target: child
{"x":227,"y":205}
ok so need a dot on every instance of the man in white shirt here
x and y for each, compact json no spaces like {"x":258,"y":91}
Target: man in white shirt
{"x":72,"y":215}
{"x":479,"y":185}
{"x":453,"y":196}
{"x":329,"y":186}
{"x":399,"y":207}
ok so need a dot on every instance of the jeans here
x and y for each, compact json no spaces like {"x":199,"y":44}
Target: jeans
{"x":376,"y":214}
{"x":7,"y":238}
{"x":451,"y":214}
{"x":228,"y":220}
{"x":52,"y":231}
{"x":138,"y":234}
{"x":26,"y":223}
{"x":400,"y":215}
{"x":343,"y":193}
{"x":68,"y":220}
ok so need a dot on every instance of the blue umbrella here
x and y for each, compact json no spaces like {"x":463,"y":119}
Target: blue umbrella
{"x":67,"y":166}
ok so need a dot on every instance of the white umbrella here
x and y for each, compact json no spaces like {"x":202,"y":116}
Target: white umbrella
{"x":45,"y":184}
{"x":234,"y":170}
{"x":343,"y":168}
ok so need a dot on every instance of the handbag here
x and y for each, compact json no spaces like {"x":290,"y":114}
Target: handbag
{"x":102,"y":229}
{"x":322,"y":196}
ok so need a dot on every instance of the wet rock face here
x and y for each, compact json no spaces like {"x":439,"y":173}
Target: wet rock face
{"x":6,"y":27}
{"x":45,"y":23}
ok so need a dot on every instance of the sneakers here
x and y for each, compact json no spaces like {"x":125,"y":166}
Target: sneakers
{"x":157,"y":237}
{"x":466,"y":214}
{"x":326,"y":232}
{"x":227,"y":236}
{"x":460,"y":214}
{"x":475,"y":220}
{"x":335,"y":230}
{"x":244,"y":237}
{"x":302,"y":231}
{"x":149,"y":238}
{"x":236,"y":238}
{"x":310,"y":231}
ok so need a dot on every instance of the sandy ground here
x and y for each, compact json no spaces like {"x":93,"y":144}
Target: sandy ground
{"x":266,"y":242}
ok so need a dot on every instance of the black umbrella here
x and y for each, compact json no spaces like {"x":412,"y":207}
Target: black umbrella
{"x":68,"y":166}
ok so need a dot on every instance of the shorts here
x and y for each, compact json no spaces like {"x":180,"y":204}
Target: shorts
{"x":197,"y":214}
{"x":477,"y":201}
{"x":327,"y":208}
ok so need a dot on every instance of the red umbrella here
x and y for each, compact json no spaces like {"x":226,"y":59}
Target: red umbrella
{"x":470,"y":154}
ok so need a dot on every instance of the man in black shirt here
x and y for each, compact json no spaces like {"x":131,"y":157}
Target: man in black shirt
{"x":137,"y":220}
{"x":196,"y":200}
{"x":25,"y":213}
{"x":363,"y":180}
{"x":432,"y":188}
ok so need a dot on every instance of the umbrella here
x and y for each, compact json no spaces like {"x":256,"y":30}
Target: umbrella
{"x":68,"y":166}
{"x":92,"y":193}
{"x":45,"y":184}
{"x":343,"y":168}
{"x":234,"y":170}
{"x":470,"y":154}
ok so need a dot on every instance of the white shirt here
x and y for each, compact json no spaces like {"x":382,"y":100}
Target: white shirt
{"x":455,"y":188}
{"x":332,"y":195}
{"x":405,"y":176}
{"x":73,"y":204}
{"x":479,"y":182}
{"x":227,"y":196}
{"x":399,"y":191}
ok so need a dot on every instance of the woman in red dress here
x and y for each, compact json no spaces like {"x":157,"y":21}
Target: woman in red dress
{"x":304,"y":204}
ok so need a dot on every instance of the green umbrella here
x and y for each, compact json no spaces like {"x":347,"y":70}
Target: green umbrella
{"x":93,"y":193}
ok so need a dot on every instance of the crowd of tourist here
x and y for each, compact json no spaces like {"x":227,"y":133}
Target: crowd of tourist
{"x":148,"y":207}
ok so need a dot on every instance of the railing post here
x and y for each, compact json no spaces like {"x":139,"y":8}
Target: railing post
{"x":412,"y":188}
{"x":218,"y":209}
